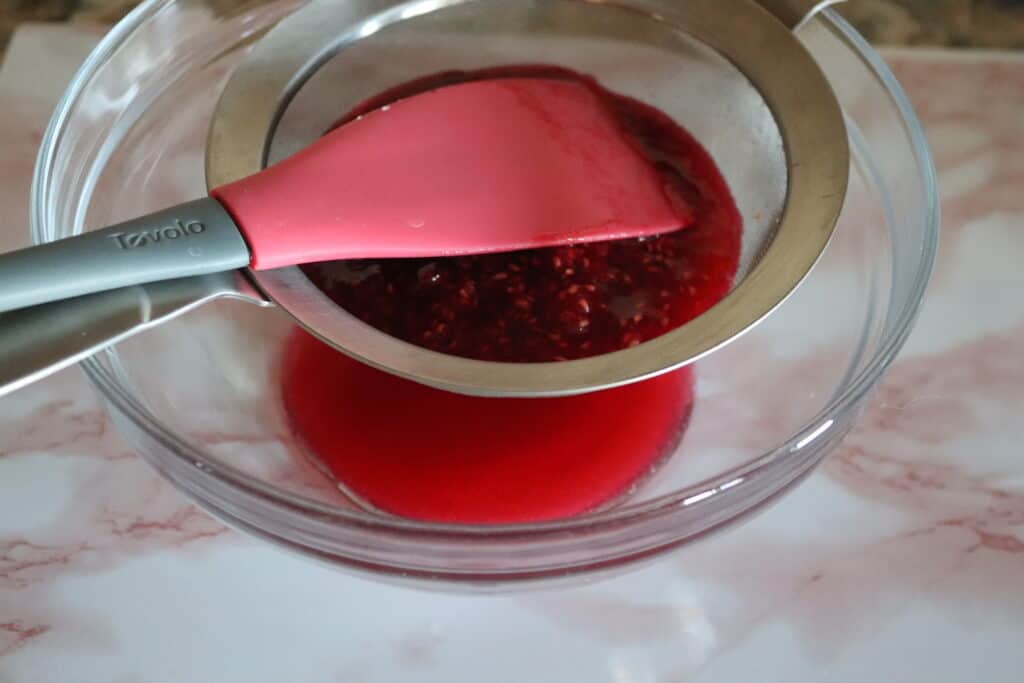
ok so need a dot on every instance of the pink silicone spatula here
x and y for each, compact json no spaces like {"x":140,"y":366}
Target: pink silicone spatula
{"x":479,"y":167}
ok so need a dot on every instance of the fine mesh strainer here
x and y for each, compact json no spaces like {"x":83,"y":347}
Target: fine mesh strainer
{"x":743,"y":85}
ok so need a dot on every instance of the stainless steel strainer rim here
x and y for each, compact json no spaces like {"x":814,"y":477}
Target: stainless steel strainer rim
{"x":794,"y":88}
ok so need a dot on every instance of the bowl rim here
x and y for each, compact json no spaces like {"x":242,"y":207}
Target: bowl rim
{"x":807,"y":447}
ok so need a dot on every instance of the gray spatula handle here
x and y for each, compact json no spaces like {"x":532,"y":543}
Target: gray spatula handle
{"x":195,"y":238}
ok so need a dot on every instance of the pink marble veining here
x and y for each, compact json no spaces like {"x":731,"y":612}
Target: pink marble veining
{"x":901,"y":559}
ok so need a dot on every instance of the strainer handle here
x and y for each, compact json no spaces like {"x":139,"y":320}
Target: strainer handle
{"x":796,"y":13}
{"x":37,"y":341}
{"x":195,"y":238}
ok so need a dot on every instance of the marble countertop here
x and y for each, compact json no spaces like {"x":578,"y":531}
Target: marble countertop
{"x":901,"y":559}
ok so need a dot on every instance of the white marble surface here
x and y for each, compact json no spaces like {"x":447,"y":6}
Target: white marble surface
{"x":902,"y":559}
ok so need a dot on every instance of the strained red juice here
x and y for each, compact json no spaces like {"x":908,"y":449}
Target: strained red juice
{"x":422,"y":453}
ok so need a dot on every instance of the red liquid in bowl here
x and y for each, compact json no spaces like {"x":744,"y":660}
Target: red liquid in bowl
{"x":427,"y":454}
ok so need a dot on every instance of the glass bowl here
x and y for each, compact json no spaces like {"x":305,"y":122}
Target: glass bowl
{"x":198,"y":397}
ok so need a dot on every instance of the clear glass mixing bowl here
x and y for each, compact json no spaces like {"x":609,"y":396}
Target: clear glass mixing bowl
{"x":198,"y":397}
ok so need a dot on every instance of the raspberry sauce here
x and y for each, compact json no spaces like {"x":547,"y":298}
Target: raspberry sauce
{"x":427,"y":454}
